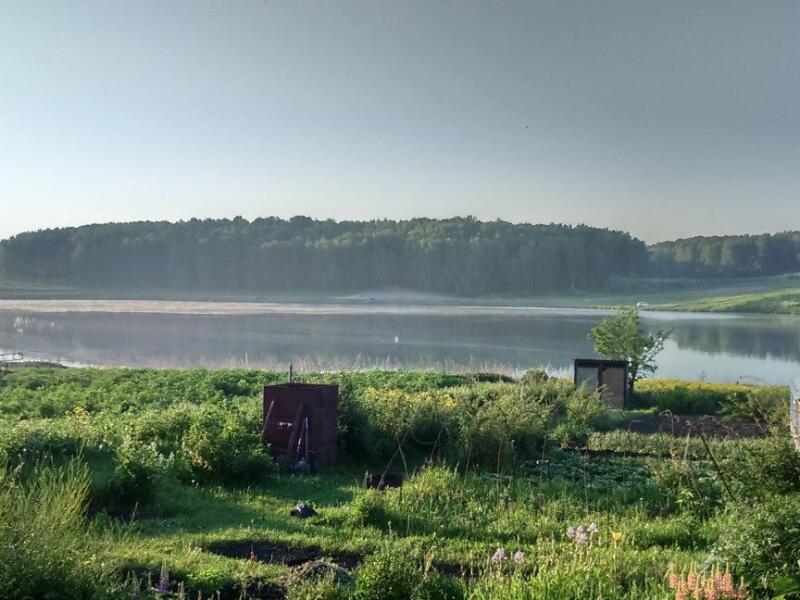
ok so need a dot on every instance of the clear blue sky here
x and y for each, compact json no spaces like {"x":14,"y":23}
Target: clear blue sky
{"x":666,"y":118}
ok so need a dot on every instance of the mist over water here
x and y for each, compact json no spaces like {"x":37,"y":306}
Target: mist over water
{"x":713,"y":347}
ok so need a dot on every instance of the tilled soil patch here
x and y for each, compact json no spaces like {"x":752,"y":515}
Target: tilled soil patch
{"x":280,"y":553}
{"x":680,"y":425}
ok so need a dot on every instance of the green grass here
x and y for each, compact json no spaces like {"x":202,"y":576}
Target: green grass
{"x":772,"y":294}
{"x":780,"y":302}
{"x":178,"y":449}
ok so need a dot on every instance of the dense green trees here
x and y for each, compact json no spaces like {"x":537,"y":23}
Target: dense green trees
{"x":457,"y":256}
{"x":728,"y":256}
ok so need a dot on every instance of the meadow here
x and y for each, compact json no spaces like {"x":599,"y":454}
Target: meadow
{"x":126,"y":483}
{"x":785,"y":302}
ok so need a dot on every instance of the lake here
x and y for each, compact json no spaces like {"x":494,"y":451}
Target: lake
{"x":715,"y":347}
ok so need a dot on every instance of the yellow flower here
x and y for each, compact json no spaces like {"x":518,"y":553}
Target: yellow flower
{"x":79,"y":411}
{"x":616,"y":537}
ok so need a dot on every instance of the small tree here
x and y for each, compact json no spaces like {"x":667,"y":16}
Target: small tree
{"x":622,"y":337}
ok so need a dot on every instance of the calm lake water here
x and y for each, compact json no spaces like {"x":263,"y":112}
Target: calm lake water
{"x":713,"y":347}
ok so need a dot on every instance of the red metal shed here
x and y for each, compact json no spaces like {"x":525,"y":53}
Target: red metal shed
{"x":300,"y":422}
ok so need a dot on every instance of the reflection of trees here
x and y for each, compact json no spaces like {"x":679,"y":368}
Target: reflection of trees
{"x":324,"y":340}
{"x":329,"y":341}
{"x":741,"y":337}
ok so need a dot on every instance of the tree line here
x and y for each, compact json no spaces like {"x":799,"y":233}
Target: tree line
{"x":454,"y":256}
{"x":727,"y":256}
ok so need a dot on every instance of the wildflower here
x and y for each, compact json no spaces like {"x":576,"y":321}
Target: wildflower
{"x":499,"y":555}
{"x":726,"y":584}
{"x":163,"y":580}
{"x":571,"y":533}
{"x":581,"y":536}
{"x":711,"y":592}
{"x":674,"y":580}
{"x":616,"y":537}
{"x":592,"y":528}
{"x":691,"y":581}
{"x":519,"y":557}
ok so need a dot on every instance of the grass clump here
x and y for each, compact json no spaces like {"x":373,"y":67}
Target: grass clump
{"x":47,"y":550}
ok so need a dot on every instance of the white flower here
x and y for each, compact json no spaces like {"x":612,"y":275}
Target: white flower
{"x":499,"y":555}
{"x":519,"y":557}
{"x":571,"y":533}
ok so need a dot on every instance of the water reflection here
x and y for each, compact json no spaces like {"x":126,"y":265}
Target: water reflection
{"x":766,"y":348}
{"x":740,"y":335}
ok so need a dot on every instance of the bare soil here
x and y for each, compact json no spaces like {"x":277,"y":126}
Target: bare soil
{"x":280,"y":553}
{"x":680,"y":425}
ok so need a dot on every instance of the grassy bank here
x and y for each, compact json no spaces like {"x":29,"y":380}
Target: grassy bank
{"x":785,"y":302}
{"x":180,"y":495}
{"x":776,"y":294}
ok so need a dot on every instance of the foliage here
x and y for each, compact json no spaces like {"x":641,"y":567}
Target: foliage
{"x":775,"y":465}
{"x":726,"y":256}
{"x":46,"y":549}
{"x":766,"y":403}
{"x":776,"y":302}
{"x":388,"y":575}
{"x":178,"y":445}
{"x":622,"y":337}
{"x":762,"y":544}
{"x":456,"y":256}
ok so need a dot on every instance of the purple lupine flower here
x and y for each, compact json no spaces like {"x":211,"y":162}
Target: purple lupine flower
{"x":499,"y":555}
{"x":163,"y":580}
{"x":581,"y":537}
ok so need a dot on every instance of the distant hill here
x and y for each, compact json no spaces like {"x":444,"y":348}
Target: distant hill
{"x":460,"y":256}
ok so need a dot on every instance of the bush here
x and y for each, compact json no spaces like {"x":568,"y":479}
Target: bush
{"x":534,"y":377}
{"x":45,"y":545}
{"x":774,"y":465}
{"x":697,"y":398}
{"x":388,"y":574}
{"x":224,"y":446}
{"x":762,"y":544}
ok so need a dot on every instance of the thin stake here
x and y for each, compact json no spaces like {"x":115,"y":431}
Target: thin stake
{"x":716,"y":464}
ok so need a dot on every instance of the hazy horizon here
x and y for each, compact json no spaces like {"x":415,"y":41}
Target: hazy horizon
{"x":664,"y":120}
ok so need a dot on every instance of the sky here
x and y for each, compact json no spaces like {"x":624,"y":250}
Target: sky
{"x":665,"y":119}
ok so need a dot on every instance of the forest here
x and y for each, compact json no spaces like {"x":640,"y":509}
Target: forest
{"x":727,"y":256}
{"x":462,"y":256}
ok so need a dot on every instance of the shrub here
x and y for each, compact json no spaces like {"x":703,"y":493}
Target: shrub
{"x":773,"y":465}
{"x":388,"y":574}
{"x":224,"y":446}
{"x":534,"y":377}
{"x":762,"y":544}
{"x":45,"y":545}
{"x":695,"y":398}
